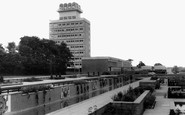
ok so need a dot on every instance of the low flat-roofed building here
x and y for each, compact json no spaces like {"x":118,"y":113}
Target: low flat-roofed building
{"x":148,"y":68}
{"x":101,"y":65}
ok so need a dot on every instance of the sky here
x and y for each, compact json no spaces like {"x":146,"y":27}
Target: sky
{"x":151,"y":31}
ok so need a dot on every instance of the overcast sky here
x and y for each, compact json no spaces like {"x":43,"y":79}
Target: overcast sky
{"x":152,"y":31}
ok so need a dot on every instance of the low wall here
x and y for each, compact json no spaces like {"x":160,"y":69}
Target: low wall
{"x":21,"y":101}
{"x":123,"y":107}
{"x":59,"y":94}
{"x":136,"y":107}
{"x":151,"y":83}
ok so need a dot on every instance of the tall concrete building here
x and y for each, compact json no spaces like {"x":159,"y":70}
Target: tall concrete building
{"x":73,"y":30}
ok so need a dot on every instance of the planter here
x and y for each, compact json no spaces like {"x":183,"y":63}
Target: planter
{"x":124,"y":107}
{"x":132,"y":108}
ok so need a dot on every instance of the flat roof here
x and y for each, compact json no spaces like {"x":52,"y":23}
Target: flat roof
{"x":78,"y":19}
{"x":102,"y":57}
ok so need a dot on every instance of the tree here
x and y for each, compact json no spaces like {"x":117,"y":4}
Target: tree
{"x":31,"y":49}
{"x":2,"y":50}
{"x":42,"y":56}
{"x":11,"y":47}
{"x":2,"y":53}
{"x":63,"y":58}
{"x":140,"y":64}
{"x":175,"y":70}
{"x":130,"y":60}
{"x":157,"y":64}
{"x":10,"y":62}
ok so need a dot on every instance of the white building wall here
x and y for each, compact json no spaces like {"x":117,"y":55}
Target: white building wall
{"x":75,"y":32}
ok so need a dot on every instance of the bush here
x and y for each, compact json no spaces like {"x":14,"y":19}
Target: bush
{"x":106,"y":73}
{"x":1,"y":79}
{"x":80,"y":82}
{"x":35,"y":88}
{"x":32,"y":79}
{"x":154,"y":78}
{"x":131,"y":94}
{"x":118,"y":97}
{"x":149,"y":101}
{"x":149,"y":88}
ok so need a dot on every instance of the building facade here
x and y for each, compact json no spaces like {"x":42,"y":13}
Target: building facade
{"x":102,"y":65}
{"x":72,"y":30}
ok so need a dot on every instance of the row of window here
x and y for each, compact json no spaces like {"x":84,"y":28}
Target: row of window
{"x":66,"y":24}
{"x":68,"y":30}
{"x":68,"y":41}
{"x":58,"y":42}
{"x":77,"y":46}
{"x":70,"y":35}
{"x":78,"y":64}
{"x":77,"y":52}
{"x":76,"y":58}
{"x":72,"y":29}
{"x":67,"y":17}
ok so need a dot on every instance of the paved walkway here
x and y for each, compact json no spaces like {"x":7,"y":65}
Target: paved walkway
{"x":163,"y":104}
{"x":97,"y":102}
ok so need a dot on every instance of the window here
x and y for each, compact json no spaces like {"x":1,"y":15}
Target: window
{"x":65,"y":18}
{"x":61,"y":18}
{"x":74,"y":17}
{"x":69,"y":17}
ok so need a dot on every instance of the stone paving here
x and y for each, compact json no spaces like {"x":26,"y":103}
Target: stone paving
{"x":163,"y":104}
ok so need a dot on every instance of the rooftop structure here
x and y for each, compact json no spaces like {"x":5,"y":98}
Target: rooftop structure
{"x":69,"y":7}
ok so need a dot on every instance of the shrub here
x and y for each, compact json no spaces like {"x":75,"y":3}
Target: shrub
{"x":154,"y":78}
{"x":106,"y":73}
{"x":149,"y":101}
{"x":129,"y":97}
{"x":138,"y":90}
{"x":35,"y":88}
{"x":79,"y":82}
{"x":1,"y":79}
{"x":32,"y":79}
{"x":131,"y":94}
{"x":149,"y":88}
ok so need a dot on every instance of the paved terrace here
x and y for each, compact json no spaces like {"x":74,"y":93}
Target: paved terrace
{"x":82,"y":108}
{"x":163,"y":104}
